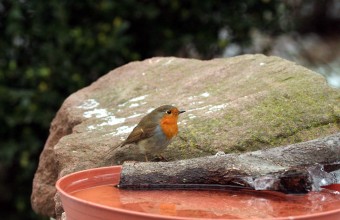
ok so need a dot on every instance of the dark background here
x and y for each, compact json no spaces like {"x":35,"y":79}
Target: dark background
{"x":50,"y":49}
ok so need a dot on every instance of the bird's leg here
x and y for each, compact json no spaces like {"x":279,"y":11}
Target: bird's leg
{"x":160,"y":157}
{"x":163,"y":158}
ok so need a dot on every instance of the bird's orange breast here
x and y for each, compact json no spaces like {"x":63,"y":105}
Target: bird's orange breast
{"x":169,"y":126}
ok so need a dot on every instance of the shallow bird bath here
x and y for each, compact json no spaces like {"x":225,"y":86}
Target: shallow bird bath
{"x":91,"y":194}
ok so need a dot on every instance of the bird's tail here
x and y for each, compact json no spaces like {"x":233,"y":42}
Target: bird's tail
{"x":109,"y":154}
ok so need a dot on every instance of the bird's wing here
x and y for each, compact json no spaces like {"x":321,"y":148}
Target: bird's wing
{"x":140,"y":133}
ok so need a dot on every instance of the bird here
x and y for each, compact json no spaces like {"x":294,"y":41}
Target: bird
{"x":155,"y":130}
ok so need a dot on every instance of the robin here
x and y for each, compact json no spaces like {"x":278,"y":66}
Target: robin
{"x":155,"y":131}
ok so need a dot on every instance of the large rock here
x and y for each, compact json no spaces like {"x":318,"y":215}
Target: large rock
{"x":238,"y":104}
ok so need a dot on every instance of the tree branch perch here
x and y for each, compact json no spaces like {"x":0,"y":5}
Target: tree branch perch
{"x":287,"y":169}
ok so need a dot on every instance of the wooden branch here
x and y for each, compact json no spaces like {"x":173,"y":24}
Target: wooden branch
{"x":285,"y":169}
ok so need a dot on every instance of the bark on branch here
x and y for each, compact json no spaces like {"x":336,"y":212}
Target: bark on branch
{"x":294,"y":169}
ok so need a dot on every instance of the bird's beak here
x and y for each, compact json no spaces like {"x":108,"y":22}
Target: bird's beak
{"x":181,"y":112}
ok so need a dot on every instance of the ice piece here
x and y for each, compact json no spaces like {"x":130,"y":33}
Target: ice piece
{"x":320,"y":177}
{"x":266,"y":183}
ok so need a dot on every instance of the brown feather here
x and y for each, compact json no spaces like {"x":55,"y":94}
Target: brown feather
{"x":140,"y":133}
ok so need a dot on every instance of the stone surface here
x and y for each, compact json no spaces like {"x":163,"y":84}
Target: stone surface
{"x":238,"y":104}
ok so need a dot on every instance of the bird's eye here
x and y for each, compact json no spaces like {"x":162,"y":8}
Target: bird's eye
{"x":168,"y":112}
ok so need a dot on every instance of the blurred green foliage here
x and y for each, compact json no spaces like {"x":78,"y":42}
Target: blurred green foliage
{"x":50,"y":49}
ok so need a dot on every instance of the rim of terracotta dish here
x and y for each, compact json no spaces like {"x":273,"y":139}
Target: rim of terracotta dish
{"x":299,"y":217}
